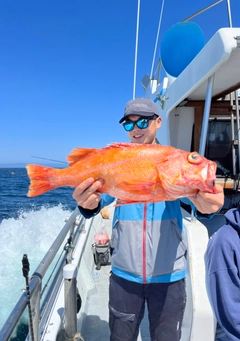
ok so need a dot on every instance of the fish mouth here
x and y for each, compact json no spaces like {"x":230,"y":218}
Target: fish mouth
{"x":211,"y":183}
{"x":211,"y":174}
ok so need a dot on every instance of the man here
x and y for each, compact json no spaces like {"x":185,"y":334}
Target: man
{"x":223,"y":276}
{"x":148,"y":250}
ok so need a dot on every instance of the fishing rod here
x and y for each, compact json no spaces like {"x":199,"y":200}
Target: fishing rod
{"x":44,"y":158}
{"x":25,"y":271}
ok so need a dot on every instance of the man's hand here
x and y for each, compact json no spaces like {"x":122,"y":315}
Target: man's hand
{"x":86,"y":194}
{"x":208,"y":203}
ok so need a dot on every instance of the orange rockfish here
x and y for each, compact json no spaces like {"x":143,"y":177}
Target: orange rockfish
{"x":132,"y":173}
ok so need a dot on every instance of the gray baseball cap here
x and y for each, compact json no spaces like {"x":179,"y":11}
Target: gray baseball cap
{"x":140,"y":107}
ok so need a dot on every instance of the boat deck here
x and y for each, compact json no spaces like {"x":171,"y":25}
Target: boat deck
{"x":96,"y":327}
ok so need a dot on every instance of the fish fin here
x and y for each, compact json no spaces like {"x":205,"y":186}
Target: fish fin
{"x":79,"y":153}
{"x":120,"y":202}
{"x":139,"y":186}
{"x":39,"y":179}
{"x":169,"y":186}
{"x":121,"y":145}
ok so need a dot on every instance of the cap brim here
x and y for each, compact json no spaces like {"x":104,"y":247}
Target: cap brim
{"x":122,"y":119}
{"x":137,"y":114}
{"x":133,"y":114}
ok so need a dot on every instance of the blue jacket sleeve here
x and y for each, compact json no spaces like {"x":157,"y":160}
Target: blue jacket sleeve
{"x":105,"y":201}
{"x":223,"y":284}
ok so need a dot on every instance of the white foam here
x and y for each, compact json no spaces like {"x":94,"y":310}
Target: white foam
{"x":32,"y":233}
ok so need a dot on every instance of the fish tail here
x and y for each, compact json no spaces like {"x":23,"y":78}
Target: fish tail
{"x":39,"y":179}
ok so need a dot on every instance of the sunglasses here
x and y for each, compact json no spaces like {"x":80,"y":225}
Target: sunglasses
{"x":141,"y":123}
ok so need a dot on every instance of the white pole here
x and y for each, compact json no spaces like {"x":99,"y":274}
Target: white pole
{"x":70,"y":298}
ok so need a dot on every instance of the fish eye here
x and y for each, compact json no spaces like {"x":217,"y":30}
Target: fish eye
{"x":194,"y":157}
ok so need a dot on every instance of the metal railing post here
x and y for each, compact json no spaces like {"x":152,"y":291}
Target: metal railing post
{"x":36,"y":309}
{"x":206,"y":114}
{"x":70,"y":300}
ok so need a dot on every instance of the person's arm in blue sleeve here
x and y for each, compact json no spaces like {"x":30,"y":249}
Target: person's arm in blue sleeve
{"x":224,"y":287}
{"x":89,"y":200}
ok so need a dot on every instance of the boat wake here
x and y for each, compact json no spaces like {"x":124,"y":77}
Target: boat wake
{"x":32,"y":233}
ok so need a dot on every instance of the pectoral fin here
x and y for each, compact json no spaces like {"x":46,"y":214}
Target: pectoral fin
{"x":125,"y":202}
{"x":139,"y":186}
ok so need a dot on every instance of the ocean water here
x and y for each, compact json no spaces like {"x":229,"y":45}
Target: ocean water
{"x":27,"y":226}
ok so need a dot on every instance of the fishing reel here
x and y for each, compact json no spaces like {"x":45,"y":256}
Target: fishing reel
{"x":100,"y":254}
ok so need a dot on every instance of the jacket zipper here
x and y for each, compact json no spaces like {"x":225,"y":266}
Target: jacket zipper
{"x":144,"y":260}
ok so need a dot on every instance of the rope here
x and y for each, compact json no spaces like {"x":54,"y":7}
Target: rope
{"x":157,"y":38}
{"x":136,"y":52}
{"x":202,"y":10}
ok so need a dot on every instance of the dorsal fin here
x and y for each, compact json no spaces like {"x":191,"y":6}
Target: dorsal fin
{"x":118,"y":145}
{"x":79,"y":153}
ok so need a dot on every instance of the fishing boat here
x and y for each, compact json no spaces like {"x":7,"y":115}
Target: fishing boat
{"x":66,"y":297}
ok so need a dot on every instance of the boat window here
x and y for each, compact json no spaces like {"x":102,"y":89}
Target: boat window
{"x":219,"y":146}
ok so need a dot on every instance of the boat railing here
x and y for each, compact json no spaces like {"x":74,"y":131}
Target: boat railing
{"x":38,"y":300}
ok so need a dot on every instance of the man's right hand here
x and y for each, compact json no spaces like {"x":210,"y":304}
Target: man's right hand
{"x":86,"y":194}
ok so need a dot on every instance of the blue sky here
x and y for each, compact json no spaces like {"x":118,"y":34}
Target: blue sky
{"x":66,"y":68}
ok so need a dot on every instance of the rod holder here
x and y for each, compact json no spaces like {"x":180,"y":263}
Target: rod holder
{"x":70,"y":299}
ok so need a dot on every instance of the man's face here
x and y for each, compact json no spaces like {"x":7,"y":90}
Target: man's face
{"x":147,"y":135}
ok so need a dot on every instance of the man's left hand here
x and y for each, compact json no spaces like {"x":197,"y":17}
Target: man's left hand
{"x":208,"y":203}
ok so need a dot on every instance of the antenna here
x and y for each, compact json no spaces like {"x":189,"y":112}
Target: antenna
{"x":136,"y":51}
